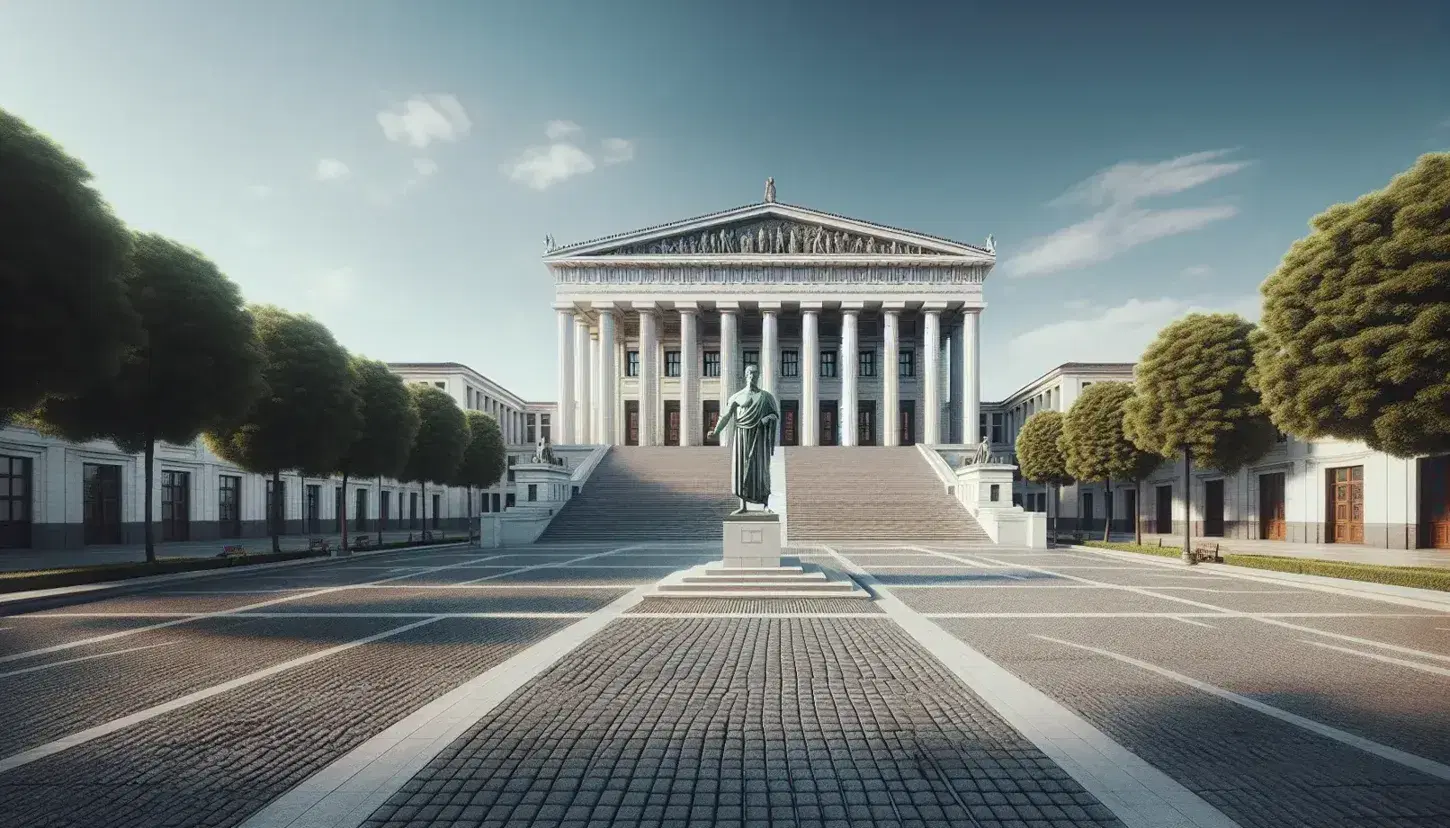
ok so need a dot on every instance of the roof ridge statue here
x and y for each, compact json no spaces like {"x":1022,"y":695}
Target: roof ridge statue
{"x":755,"y":414}
{"x":770,"y":190}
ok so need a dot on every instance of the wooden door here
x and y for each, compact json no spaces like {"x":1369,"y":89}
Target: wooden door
{"x":1346,"y":504}
{"x":908,"y":422}
{"x":866,"y":422}
{"x":631,"y":422}
{"x":1435,"y":501}
{"x":1130,"y":503}
{"x":829,"y":426}
{"x":1085,"y":511}
{"x":1163,"y":510}
{"x":789,"y":422}
{"x":175,"y":506}
{"x":1272,"y":525}
{"x":711,"y":419}
{"x":1213,"y":508}
{"x":101,"y":501}
{"x":15,"y":502}
{"x":672,"y":422}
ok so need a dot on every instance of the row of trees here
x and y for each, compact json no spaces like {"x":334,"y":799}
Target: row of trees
{"x":135,"y":338}
{"x":1354,"y":344}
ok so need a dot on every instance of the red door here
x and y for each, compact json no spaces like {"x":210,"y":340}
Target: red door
{"x":631,"y":422}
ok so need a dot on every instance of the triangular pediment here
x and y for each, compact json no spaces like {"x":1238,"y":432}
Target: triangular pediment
{"x":770,"y":229}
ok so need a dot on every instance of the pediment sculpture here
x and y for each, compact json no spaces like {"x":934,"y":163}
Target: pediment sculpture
{"x":771,"y":236}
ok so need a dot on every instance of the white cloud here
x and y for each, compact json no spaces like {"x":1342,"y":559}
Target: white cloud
{"x":331,"y":169}
{"x":259,"y":190}
{"x":424,"y":119}
{"x":561,"y":129}
{"x":333,"y":286}
{"x":425,"y":166}
{"x":1122,"y":223}
{"x":543,"y":167}
{"x":617,"y":150}
{"x":1196,"y":272}
{"x":1104,"y":334}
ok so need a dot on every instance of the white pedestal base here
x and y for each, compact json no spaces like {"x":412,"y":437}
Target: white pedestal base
{"x":753,"y":568}
{"x":752,"y":540}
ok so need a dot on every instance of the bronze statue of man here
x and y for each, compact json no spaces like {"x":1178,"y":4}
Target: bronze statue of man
{"x":755,"y":414}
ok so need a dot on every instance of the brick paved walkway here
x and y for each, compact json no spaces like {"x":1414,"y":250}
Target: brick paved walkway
{"x":1255,"y":702}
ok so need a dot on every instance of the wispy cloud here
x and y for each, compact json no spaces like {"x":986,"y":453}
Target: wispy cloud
{"x":541,"y":167}
{"x":331,"y":169}
{"x":1196,"y":272}
{"x":424,"y":119}
{"x":1122,"y":223}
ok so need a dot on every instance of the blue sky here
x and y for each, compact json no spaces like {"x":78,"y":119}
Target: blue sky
{"x":391,"y":168}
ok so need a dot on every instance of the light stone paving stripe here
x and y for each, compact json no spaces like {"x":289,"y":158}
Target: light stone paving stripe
{"x":218,"y":614}
{"x":37,"y":668}
{"x":347,"y":792}
{"x":1138,"y":793}
{"x":554,"y":565}
{"x":10,"y":763}
{"x":962,"y":558}
{"x":1409,"y":760}
{"x":1400,"y":662}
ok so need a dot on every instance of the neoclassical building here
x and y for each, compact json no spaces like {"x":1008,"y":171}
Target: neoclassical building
{"x":868,"y":334}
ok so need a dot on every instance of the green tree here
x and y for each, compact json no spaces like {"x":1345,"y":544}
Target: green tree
{"x":1040,"y":457}
{"x":65,"y":321}
{"x":438,"y":448}
{"x":1355,"y":337}
{"x":1194,"y":399}
{"x":485,"y":456}
{"x":309,"y":416}
{"x":1096,"y":448}
{"x":199,"y":367}
{"x":389,"y":427}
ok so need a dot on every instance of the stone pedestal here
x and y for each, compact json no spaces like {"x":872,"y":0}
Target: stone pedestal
{"x":752,"y":541}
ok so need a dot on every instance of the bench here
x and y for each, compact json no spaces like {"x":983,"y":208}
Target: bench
{"x":319,"y":545}
{"x":362,"y":542}
{"x":232,"y":551}
{"x":1206,"y":553}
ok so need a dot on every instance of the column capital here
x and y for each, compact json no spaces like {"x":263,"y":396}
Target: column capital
{"x":893,"y":306}
{"x":812,"y":307}
{"x":934,"y":307}
{"x":564,"y":307}
{"x":853,"y":306}
{"x":604,"y":307}
{"x":728,"y":307}
{"x":687,"y":307}
{"x":769,"y":306}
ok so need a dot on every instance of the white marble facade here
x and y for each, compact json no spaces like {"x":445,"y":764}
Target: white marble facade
{"x":847,"y":320}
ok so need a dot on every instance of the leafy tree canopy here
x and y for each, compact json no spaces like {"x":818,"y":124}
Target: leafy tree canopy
{"x":389,"y":423}
{"x":309,"y":416}
{"x":64,"y":319}
{"x":1039,"y":449}
{"x":484,"y":458}
{"x":1093,"y":441}
{"x":442,"y":436}
{"x":199,"y":366}
{"x":1355,"y":338}
{"x":1193,"y":392}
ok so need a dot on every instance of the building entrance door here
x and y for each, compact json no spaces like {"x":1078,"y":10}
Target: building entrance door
{"x":1130,"y":502}
{"x":1271,"y":506}
{"x":1346,"y":504}
{"x":830,"y":427}
{"x":866,"y":422}
{"x":101,"y":493}
{"x":672,"y":422}
{"x":908,"y":422}
{"x":712,"y":418}
{"x":175,"y":506}
{"x":631,"y":422}
{"x":1213,"y":508}
{"x":789,"y":420}
{"x":1435,"y":501}
{"x":1163,"y":510}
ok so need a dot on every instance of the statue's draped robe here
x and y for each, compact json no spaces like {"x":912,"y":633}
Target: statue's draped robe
{"x":753,"y":443}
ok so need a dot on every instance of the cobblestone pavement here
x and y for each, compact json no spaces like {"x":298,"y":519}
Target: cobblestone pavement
{"x":200,"y":704}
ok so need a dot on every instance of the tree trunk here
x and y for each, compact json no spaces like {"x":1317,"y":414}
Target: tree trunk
{"x":343,"y":526}
{"x":380,"y":514}
{"x":150,"y":498}
{"x":1056,"y":509}
{"x":1187,"y":506}
{"x":278,"y":510}
{"x":1138,"y":512}
{"x":1108,"y":510}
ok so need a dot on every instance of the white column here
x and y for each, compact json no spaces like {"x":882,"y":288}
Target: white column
{"x":607,"y":396}
{"x":730,"y":375}
{"x":848,"y":362}
{"x":931,"y":375}
{"x":972,"y":365}
{"x":891,"y":381}
{"x":596,"y":435}
{"x":810,"y":373}
{"x":564,"y":428}
{"x":582,"y":426}
{"x":690,"y":412}
{"x":769,"y":344}
{"x":648,"y":369}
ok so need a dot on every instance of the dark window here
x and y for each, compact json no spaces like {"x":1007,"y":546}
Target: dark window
{"x":229,"y":506}
{"x":672,"y":363}
{"x":434,"y":516}
{"x":996,"y":493}
{"x":908,"y":363}
{"x":412,"y":510}
{"x":508,"y":500}
{"x":866,"y":361}
{"x":631,"y":363}
{"x":15,"y":502}
{"x":751,"y":358}
{"x":276,"y":507}
{"x":544,"y":428}
{"x":385,"y":504}
{"x":828,"y":364}
{"x":533,"y":491}
{"x":712,"y":363}
{"x":790,"y":363}
{"x":982,"y":427}
{"x":485,"y":499}
{"x":531,"y":429}
{"x":360,"y":522}
{"x":997,"y":435}
{"x":314,"y":507}
{"x":175,"y":506}
{"x":102,"y":503}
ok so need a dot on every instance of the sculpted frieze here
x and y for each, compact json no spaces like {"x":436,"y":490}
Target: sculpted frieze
{"x":770,"y":276}
{"x":769,"y":236}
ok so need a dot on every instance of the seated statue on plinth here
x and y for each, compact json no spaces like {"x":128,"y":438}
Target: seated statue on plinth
{"x":754,"y":414}
{"x":545,"y":452}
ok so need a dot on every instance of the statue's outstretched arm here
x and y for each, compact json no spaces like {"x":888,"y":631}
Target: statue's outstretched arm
{"x":724,"y":419}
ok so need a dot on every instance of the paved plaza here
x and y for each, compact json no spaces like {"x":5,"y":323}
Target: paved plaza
{"x":544,"y":686}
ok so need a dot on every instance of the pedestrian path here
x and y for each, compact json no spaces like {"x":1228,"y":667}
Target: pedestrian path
{"x":1341,"y":552}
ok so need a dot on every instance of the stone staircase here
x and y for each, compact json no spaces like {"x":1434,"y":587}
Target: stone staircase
{"x":650,"y":493}
{"x":870,"y":493}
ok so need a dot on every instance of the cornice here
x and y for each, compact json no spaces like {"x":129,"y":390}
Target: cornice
{"x":739,"y":260}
